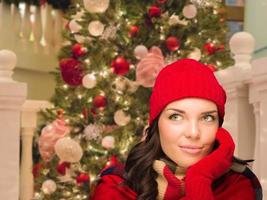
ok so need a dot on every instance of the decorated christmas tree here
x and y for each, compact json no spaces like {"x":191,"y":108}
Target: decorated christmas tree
{"x":113,"y":51}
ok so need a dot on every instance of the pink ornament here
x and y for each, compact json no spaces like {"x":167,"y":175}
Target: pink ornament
{"x":148,"y":67}
{"x":140,"y":51}
{"x":190,"y":11}
{"x":49,"y":136}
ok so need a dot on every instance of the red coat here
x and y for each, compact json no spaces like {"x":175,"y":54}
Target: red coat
{"x":235,"y":186}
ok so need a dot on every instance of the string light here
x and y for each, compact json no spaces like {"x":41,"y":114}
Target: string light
{"x":65,"y":86}
{"x":121,"y":13}
{"x":92,"y":177}
{"x":117,"y":98}
{"x":162,"y":37}
{"x":126,"y":103}
{"x":87,"y":61}
{"x":80,"y":96}
{"x":218,"y":63}
{"x":132,"y":66}
{"x":104,"y":74}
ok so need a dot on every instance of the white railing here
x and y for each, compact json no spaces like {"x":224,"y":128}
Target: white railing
{"x":30,"y":110}
{"x":246,"y":116}
{"x":12,"y":97}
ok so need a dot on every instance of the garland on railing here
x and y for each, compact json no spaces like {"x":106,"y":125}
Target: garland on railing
{"x":57,"y":4}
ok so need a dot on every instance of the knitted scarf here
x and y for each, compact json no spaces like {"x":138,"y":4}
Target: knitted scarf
{"x":170,"y":180}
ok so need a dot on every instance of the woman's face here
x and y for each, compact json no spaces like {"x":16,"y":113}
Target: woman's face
{"x":187,"y":130}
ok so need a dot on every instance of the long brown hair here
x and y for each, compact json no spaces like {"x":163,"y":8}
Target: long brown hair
{"x":139,"y":173}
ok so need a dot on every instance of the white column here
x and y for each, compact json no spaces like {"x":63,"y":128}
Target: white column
{"x":28,"y":124}
{"x":12,"y":96}
{"x":258,"y":96}
{"x":239,"y":117}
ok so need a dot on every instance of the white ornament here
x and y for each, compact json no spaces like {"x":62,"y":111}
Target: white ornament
{"x":190,"y":11}
{"x":89,"y":81}
{"x":93,"y":131}
{"x":133,"y":86}
{"x":196,"y":54}
{"x":96,"y":6}
{"x":174,"y":19}
{"x":108,"y":142}
{"x":74,"y":26}
{"x":78,"y":15}
{"x":121,"y":118}
{"x":140,"y":51}
{"x":109,"y":32}
{"x":79,"y":38}
{"x":120,"y":83}
{"x":49,"y":186}
{"x":96,"y":28}
{"x":68,"y":150}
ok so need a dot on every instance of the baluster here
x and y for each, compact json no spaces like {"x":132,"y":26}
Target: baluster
{"x":12,"y":96}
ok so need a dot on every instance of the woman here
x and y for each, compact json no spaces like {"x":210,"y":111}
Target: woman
{"x":186,"y":153}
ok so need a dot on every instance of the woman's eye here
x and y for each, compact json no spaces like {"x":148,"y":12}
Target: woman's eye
{"x":175,"y":117}
{"x":209,"y":118}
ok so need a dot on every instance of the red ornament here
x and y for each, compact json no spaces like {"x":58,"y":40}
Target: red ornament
{"x":154,"y":11}
{"x":60,"y":113}
{"x":78,"y":50}
{"x":61,"y":168}
{"x":87,"y":112}
{"x":93,"y":112}
{"x":172,"y":43}
{"x":212,"y":67}
{"x":120,"y":66}
{"x":162,"y":1}
{"x":71,"y":71}
{"x":100,"y":101}
{"x":36,"y":169}
{"x":209,"y":48}
{"x":220,"y":48}
{"x":82,"y":178}
{"x":133,"y":31}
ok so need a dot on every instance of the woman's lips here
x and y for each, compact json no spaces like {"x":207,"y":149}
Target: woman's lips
{"x":191,"y":149}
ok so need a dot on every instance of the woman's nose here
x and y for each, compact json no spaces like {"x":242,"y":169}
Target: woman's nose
{"x":193,"y":130}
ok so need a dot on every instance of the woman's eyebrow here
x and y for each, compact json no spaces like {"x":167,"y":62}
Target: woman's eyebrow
{"x":181,"y":111}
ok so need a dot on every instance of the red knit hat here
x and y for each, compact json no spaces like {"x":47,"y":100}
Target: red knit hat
{"x":185,"y":78}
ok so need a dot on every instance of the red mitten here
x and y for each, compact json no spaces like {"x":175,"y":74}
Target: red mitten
{"x":200,"y":176}
{"x":169,"y":186}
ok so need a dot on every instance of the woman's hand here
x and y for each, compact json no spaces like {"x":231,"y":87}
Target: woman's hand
{"x":200,"y":176}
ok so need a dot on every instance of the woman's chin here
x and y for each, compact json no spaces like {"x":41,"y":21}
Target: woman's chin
{"x":187,"y":162}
